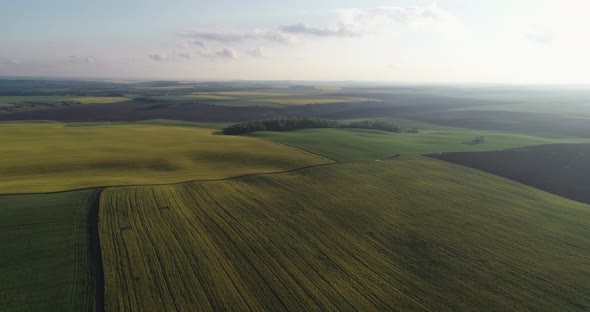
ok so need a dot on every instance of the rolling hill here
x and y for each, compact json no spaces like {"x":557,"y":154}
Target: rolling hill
{"x":411,"y":233}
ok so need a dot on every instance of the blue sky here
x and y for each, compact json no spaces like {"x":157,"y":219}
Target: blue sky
{"x":519,"y":41}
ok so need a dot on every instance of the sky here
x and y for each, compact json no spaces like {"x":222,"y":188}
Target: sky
{"x":445,"y":41}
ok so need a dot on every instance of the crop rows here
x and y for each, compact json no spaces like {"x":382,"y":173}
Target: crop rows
{"x":404,"y":234}
{"x":45,"y":263}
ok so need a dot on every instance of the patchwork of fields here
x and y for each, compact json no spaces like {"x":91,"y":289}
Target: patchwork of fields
{"x":270,"y":221}
{"x":45,"y":259}
{"x":47,"y":157}
{"x":404,"y":234}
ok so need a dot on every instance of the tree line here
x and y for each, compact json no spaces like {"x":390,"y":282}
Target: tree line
{"x":287,"y":124}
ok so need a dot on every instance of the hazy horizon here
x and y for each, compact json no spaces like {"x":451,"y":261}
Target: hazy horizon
{"x":446,"y":41}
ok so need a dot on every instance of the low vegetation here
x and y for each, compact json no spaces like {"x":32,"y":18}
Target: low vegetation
{"x":355,"y":144}
{"x":289,"y":124}
{"x":45,"y":262}
{"x":44,"y":157}
{"x":407,"y":234}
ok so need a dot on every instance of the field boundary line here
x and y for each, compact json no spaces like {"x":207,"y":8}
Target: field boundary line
{"x":102,"y":187}
{"x":305,"y":151}
{"x":95,"y":251}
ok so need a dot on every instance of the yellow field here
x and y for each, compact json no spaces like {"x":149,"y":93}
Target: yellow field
{"x":45,"y":157}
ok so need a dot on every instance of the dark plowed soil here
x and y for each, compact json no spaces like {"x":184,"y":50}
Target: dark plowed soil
{"x":562,"y":169}
{"x":134,"y":111}
{"x":393,"y":106}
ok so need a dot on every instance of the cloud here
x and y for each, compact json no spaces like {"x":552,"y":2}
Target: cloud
{"x":359,"y":22}
{"x":227,"y":53}
{"x":261,"y":35}
{"x":158,"y":57}
{"x":184,"y":55}
{"x":352,"y":22}
{"x":538,"y":35}
{"x":223,"y":37}
{"x":199,"y":44}
{"x":392,"y":67}
{"x":81,"y":59}
{"x":257,"y":52}
{"x":170,"y":57}
{"x":303,"y":29}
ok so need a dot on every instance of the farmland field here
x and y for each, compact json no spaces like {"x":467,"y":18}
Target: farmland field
{"x":44,"y":157}
{"x":50,"y":98}
{"x":45,"y":262}
{"x":406,"y":234}
{"x":351,"y":144}
{"x":562,"y":169}
{"x":269,"y":98}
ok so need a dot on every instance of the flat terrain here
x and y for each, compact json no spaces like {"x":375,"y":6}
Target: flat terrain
{"x":562,"y":169}
{"x":136,"y":111}
{"x":14,"y":104}
{"x":44,"y":157}
{"x":267,"y":98}
{"x":352,"y":144}
{"x":54,"y":98}
{"x":45,"y":262}
{"x":406,"y":234}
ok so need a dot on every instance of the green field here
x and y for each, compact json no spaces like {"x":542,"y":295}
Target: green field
{"x":44,"y":157}
{"x":45,"y":263}
{"x":352,"y":144}
{"x":574,"y":110}
{"x":410,"y":234}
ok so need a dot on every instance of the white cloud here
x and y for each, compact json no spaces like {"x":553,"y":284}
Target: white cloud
{"x":257,"y":52}
{"x":260,"y":35}
{"x":81,"y":59}
{"x":539,"y":35}
{"x":359,"y":22}
{"x":225,"y":53}
{"x":352,"y":22}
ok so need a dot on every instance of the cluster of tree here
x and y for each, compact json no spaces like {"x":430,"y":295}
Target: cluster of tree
{"x":479,"y":140}
{"x":287,"y":124}
{"x":373,"y":124}
{"x":279,"y":124}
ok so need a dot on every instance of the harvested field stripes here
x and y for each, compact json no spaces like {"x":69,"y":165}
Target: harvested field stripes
{"x":404,"y":234}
